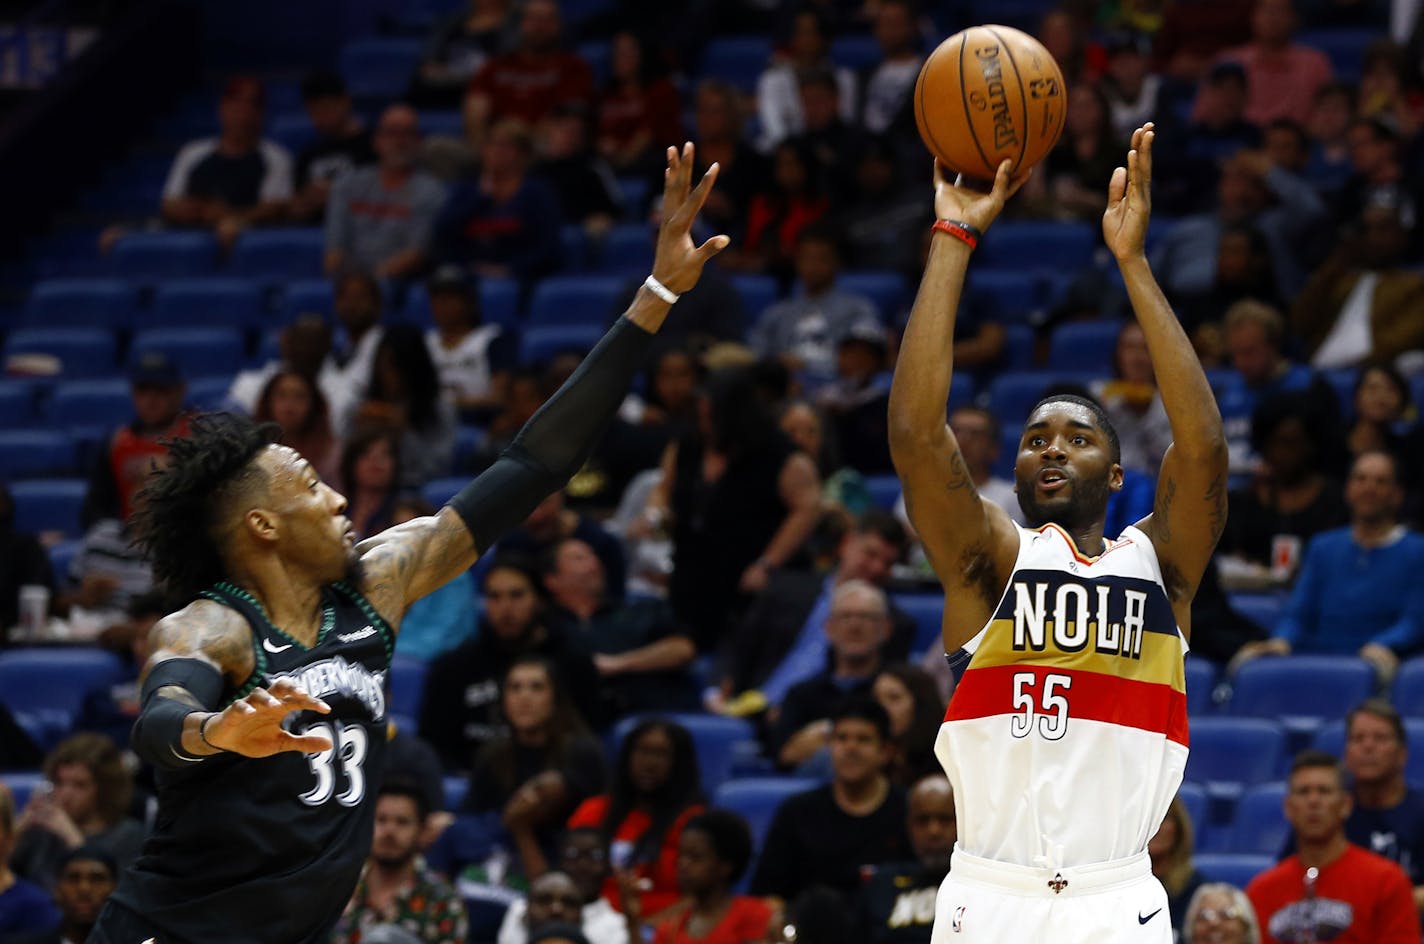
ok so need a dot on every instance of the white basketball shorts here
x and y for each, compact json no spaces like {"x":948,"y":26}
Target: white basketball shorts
{"x":986,"y":902}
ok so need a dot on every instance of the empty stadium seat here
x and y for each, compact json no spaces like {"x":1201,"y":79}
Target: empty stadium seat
{"x":205,"y":303}
{"x":539,"y":344}
{"x":1302,"y":692}
{"x":81,"y":352}
{"x":1260,"y":826}
{"x":1013,"y":394}
{"x":885,"y":289}
{"x":1408,"y":691}
{"x":1194,"y":801}
{"x":197,"y":351}
{"x":575,"y":300}
{"x":51,"y":683}
{"x":407,"y":685}
{"x":1004,"y":296}
{"x":627,"y":250}
{"x":32,"y":453}
{"x":293,"y":130}
{"x":884,"y":490}
{"x":455,"y":789}
{"x":1085,"y":345}
{"x":962,"y":389}
{"x":927,"y":610}
{"x":81,"y":303}
{"x":279,"y":254}
{"x":759,"y":292}
{"x":1233,"y":869}
{"x":89,"y":404}
{"x":379,"y":70}
{"x":1230,"y":754}
{"x":18,"y":406}
{"x":1201,"y":680}
{"x":21,"y":784}
{"x":209,"y":393}
{"x":737,"y":59}
{"x":150,"y":257}
{"x":856,"y":53}
{"x":1263,"y":609}
{"x":62,"y":555}
{"x":49,"y":505}
{"x":439,"y":491}
{"x":1019,"y":244}
{"x":1020,"y":347}
{"x":307,"y":296}
{"x":718,"y":741}
{"x":1344,"y":45}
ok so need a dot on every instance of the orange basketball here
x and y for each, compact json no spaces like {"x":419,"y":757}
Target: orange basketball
{"x":989,"y":93}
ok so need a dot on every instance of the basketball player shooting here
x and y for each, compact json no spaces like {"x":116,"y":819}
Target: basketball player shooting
{"x":1067,"y":733}
{"x":263,"y":704}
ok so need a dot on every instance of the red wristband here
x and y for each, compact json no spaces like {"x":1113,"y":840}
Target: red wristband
{"x":969,"y":235}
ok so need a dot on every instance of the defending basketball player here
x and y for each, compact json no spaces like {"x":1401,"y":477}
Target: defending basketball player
{"x":1067,"y":733}
{"x":264,"y":702}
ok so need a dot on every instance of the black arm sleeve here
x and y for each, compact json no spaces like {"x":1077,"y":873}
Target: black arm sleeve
{"x":158,"y":732}
{"x":556,"y":441}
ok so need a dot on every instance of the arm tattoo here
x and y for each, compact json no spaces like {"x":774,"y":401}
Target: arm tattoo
{"x":1161,"y":524}
{"x":959,"y":477}
{"x":1216,"y":498}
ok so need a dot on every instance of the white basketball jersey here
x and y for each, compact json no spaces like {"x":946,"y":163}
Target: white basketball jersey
{"x":1067,"y":733}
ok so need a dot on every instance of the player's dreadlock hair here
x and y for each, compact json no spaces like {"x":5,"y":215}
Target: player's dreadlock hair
{"x":1094,"y":407}
{"x":180,"y":508}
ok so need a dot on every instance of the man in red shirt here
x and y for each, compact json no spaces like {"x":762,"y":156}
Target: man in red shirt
{"x":528,"y":82}
{"x":1282,"y":76}
{"x":1330,"y":890}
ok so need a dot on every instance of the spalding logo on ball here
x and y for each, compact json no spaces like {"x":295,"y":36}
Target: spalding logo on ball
{"x":989,"y":93}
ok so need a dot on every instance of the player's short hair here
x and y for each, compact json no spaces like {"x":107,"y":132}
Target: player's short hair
{"x":1381,"y":709}
{"x":863,"y":708}
{"x":1249,"y":311}
{"x":1100,"y":417}
{"x":180,"y":509}
{"x":522,"y":564}
{"x":402,"y":787}
{"x":730,"y":836}
{"x":89,"y":852}
{"x":1312,"y":759}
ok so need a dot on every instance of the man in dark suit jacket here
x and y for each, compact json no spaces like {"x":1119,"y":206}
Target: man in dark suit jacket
{"x":780,"y":641}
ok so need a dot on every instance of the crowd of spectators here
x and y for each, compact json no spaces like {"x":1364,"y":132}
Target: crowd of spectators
{"x":723,"y":551}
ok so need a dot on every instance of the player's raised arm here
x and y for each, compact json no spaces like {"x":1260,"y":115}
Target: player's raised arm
{"x":410,"y":560}
{"x":1190,"y":509}
{"x":940,"y":496}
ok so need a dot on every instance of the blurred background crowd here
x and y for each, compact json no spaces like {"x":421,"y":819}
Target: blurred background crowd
{"x":394,"y":229}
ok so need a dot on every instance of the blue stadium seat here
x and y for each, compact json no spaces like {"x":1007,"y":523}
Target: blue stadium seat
{"x":499,"y":304}
{"x":455,"y":788}
{"x":717,"y":740}
{"x":205,"y":303}
{"x":759,"y":292}
{"x":61,"y":557}
{"x":1408,"y":691}
{"x":307,"y":296}
{"x":439,"y":491}
{"x":884,"y":489}
{"x":737,"y":59}
{"x":198,"y":351}
{"x":81,"y":303}
{"x":32,"y":453}
{"x":1018,"y":245}
{"x":927,"y":610}
{"x":962,"y":389}
{"x":885,"y":289}
{"x":21,"y":784}
{"x":757,"y":798}
{"x":1260,"y":826}
{"x":1233,"y":869}
{"x":407,"y":685}
{"x":1331,"y":739}
{"x":1013,"y":394}
{"x":1263,"y":609}
{"x":635,"y":191}
{"x":1344,"y":45}
{"x":1020,"y":346}
{"x":468,"y":439}
{"x":81,"y":352}
{"x":1302,"y":692}
{"x":627,"y":250}
{"x":17,"y":404}
{"x":444,"y":124}
{"x":51,"y":683}
{"x":379,"y":70}
{"x":1230,"y":754}
{"x":89,"y":404}
{"x":49,"y":505}
{"x":539,"y":345}
{"x":293,"y":130}
{"x":279,"y":254}
{"x":149,"y":257}
{"x":209,"y":393}
{"x":574,"y":300}
{"x":1005,"y":296}
{"x":856,"y":53}
{"x":1194,"y":801}
{"x":1085,"y":345}
{"x":1342,"y":381}
{"x":1201,"y":679}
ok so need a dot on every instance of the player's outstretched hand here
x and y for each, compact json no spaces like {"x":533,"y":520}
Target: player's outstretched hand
{"x":968,"y":204}
{"x":678,"y":261}
{"x":1130,"y":199}
{"x":252,"y":726}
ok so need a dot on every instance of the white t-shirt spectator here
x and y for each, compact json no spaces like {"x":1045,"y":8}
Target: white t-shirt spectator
{"x":467,"y":369}
{"x":262,"y":175}
{"x":778,"y":97}
{"x":885,"y":93}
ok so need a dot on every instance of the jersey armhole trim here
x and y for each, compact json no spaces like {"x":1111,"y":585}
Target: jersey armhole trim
{"x":259,"y":658}
{"x":388,"y":635}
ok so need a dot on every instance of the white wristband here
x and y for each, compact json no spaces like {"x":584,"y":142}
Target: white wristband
{"x":660,"y":290}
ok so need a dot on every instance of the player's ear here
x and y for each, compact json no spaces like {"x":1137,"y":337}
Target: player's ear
{"x":1115,"y":477}
{"x":261,"y":524}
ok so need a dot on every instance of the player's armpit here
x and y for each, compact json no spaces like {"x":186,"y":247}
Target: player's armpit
{"x":404,"y":563}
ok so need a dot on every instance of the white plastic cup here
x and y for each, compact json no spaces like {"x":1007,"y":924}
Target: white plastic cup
{"x":34,"y":610}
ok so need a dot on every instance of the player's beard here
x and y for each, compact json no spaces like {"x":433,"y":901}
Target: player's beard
{"x":1086,"y":505}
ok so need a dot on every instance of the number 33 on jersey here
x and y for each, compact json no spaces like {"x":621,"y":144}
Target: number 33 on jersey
{"x":1071,"y":711}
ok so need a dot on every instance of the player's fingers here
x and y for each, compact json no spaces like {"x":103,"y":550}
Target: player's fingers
{"x":670,"y":200}
{"x":307,"y":743}
{"x":1144,"y":157}
{"x":941,"y":173}
{"x":243,"y":708}
{"x":1001,"y":180}
{"x":693,"y":204}
{"x":713,"y":246}
{"x":1134,"y":172}
{"x":1117,"y":186}
{"x":261,"y":698}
